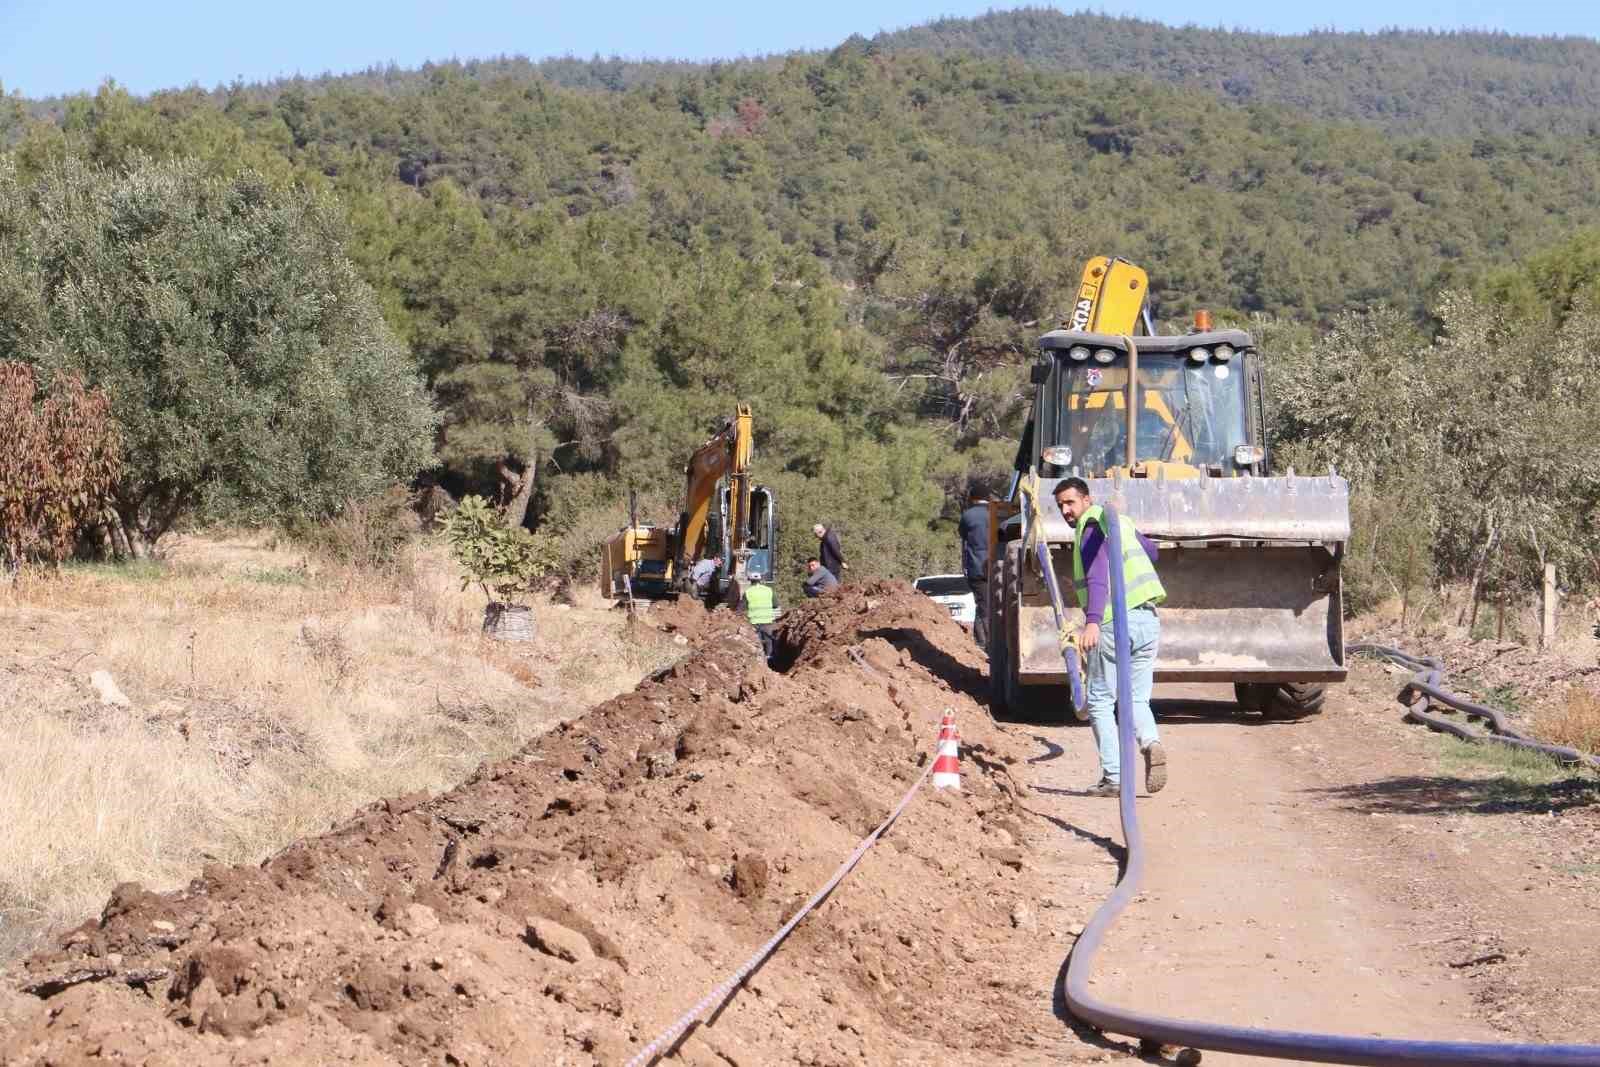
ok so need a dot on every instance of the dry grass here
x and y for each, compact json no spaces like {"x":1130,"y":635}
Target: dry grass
{"x":269,"y":696}
{"x":1549,"y":692}
{"x":1575,"y":721}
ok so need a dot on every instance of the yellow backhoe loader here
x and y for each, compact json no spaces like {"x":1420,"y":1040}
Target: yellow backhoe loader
{"x":724,"y":517}
{"x":1171,"y":430}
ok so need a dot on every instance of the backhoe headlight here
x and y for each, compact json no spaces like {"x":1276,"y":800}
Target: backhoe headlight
{"x":1223,"y":353}
{"x":1248,"y":455}
{"x":1104,"y":355}
{"x":1078,"y":352}
{"x":1199,"y":355}
{"x":1058,"y":455}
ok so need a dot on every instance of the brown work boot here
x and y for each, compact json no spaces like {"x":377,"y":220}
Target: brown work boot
{"x":1105,"y":787}
{"x":1155,"y":767}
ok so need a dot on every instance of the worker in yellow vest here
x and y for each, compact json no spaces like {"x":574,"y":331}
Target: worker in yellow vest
{"x":1092,"y":579}
{"x":762,"y":611}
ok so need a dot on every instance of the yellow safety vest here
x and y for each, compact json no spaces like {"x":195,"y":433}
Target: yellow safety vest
{"x":758,"y":605}
{"x":1139,"y":574}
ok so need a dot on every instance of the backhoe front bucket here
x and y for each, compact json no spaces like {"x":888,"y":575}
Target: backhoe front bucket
{"x":1251,"y":570}
{"x":1250,"y":613}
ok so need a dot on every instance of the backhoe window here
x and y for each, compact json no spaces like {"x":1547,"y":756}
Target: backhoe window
{"x":1189,"y":413}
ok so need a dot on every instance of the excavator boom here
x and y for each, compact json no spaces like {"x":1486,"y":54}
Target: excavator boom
{"x":727,"y":454}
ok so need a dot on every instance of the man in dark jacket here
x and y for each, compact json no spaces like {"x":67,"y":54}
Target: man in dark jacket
{"x":819,"y":579}
{"x":974,"y":529}
{"x":829,"y":552}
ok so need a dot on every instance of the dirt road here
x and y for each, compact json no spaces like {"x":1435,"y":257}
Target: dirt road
{"x":1307,"y":876}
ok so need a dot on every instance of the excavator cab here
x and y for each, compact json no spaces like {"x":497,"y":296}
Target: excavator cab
{"x":756,"y":553}
{"x":762,"y":545}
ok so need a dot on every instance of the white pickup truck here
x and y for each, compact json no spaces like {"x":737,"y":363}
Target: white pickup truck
{"x":953,"y":592}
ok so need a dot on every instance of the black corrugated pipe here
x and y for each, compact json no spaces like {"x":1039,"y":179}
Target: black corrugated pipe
{"x":1428,"y":683}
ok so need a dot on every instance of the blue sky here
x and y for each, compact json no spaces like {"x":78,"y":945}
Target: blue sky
{"x":71,"y":45}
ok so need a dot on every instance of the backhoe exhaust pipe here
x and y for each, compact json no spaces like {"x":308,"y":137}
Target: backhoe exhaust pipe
{"x":1133,"y":403}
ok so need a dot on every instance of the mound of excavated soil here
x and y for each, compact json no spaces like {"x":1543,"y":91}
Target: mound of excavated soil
{"x":563,"y":906}
{"x":685,"y":615}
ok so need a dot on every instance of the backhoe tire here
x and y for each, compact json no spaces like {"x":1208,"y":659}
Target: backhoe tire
{"x":1008,"y":698}
{"x":1281,"y":701}
{"x":999,"y":665}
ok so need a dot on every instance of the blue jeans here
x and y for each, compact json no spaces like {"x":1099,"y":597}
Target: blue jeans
{"x":1144,"y":635}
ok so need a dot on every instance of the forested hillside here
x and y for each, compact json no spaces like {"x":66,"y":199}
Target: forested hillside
{"x":1408,"y":82}
{"x":1404,"y":81}
{"x":861,"y":243}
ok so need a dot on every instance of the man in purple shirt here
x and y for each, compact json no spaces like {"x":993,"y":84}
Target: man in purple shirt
{"x":1144,"y":592}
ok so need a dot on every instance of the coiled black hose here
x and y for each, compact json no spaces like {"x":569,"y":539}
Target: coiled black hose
{"x":1427,"y":684}
{"x":1286,"y":1044}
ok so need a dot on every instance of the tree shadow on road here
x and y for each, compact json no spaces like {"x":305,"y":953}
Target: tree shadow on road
{"x":1444,"y":795}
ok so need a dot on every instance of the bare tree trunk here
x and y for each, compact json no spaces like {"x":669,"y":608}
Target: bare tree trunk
{"x":1478,"y":571}
{"x":521,"y":487}
{"x":124,"y":535}
{"x":120,"y":549}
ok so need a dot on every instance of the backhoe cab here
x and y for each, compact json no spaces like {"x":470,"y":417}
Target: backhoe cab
{"x":1171,"y":431}
{"x":1198,"y":398}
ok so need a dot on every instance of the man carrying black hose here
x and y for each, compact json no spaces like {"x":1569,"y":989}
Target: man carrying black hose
{"x":1092,"y":577}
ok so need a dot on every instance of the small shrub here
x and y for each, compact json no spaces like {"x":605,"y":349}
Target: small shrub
{"x":58,"y":466}
{"x":1507,"y":698}
{"x":505,"y":562}
{"x":369,"y":533}
{"x":330,"y":651}
{"x":297,"y":576}
{"x":1391,"y":552}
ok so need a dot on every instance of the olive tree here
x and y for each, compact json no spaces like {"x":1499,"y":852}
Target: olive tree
{"x":1465,"y":449}
{"x":248,"y":365}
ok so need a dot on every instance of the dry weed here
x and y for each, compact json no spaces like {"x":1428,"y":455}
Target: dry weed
{"x":270,"y":696}
{"x":330,"y":652}
{"x":1575,"y":721}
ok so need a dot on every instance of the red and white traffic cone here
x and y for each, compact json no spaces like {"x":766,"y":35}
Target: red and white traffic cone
{"x":947,"y":758}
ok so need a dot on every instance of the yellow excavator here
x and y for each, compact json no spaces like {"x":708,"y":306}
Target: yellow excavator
{"x":724,"y":517}
{"x":1171,"y":430}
